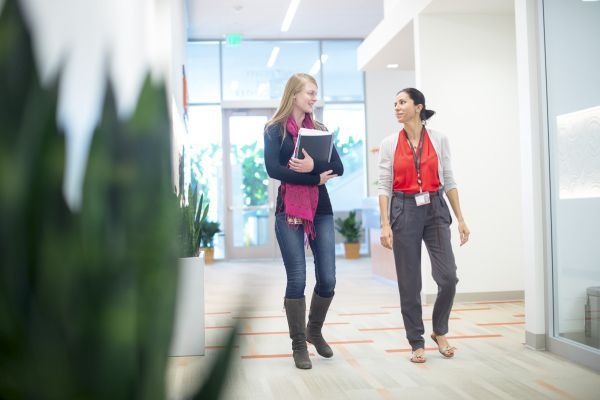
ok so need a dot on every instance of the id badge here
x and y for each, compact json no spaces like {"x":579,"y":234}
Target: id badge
{"x":422,"y":199}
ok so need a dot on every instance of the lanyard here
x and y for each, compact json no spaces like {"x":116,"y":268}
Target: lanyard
{"x":417,"y":157}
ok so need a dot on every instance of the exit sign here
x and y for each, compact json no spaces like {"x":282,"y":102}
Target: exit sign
{"x":233,"y":39}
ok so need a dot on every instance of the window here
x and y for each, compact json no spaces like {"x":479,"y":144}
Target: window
{"x":202,"y":71}
{"x":204,"y":152}
{"x":347,"y":122}
{"x":256,"y":70}
{"x":342,"y":81}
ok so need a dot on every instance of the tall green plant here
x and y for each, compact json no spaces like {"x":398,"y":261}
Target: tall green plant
{"x":192,"y":217}
{"x":86,"y":298}
{"x":349,"y":227}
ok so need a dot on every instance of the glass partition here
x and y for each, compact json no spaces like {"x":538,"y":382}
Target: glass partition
{"x":572,"y":64}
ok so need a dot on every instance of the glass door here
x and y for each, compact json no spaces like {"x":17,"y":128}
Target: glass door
{"x":250,"y":194}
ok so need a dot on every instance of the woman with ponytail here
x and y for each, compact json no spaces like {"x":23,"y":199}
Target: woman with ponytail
{"x":414,"y":173}
{"x":303,"y":215}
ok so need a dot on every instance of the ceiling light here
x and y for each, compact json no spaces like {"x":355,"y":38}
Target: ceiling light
{"x":315,"y":68}
{"x":289,"y":15}
{"x":273,"y":57}
{"x":392,"y":66}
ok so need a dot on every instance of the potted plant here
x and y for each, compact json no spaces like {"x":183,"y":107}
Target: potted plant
{"x":350,"y":229}
{"x":208,"y":230}
{"x":188,"y":332}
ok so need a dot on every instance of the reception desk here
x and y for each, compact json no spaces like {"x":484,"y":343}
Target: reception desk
{"x":382,"y":259}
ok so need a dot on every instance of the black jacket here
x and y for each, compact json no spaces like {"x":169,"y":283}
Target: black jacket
{"x":277,"y":155}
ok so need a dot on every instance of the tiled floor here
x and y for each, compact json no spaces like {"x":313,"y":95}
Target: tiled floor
{"x":365,"y":329}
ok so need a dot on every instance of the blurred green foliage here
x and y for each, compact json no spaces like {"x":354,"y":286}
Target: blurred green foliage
{"x":86,"y":298}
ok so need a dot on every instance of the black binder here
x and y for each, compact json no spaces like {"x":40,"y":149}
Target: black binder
{"x":318,"y":144}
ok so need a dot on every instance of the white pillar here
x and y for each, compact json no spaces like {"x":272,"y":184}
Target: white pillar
{"x":531,"y":134}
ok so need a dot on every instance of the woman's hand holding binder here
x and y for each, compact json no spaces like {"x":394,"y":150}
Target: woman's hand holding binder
{"x":304,"y":165}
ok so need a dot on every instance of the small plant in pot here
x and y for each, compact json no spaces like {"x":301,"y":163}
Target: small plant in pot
{"x":350,"y":229}
{"x":208,"y":230}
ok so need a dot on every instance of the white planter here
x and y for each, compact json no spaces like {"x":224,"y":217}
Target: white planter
{"x":188,"y":330}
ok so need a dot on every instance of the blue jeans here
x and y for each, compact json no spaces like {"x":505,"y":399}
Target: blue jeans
{"x":291,"y":244}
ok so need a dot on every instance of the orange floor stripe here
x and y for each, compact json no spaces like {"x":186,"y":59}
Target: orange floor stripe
{"x":367,"y":313}
{"x":449,"y":337}
{"x":408,"y":350}
{"x":473,"y":336}
{"x":271,"y":356}
{"x":393,"y":328}
{"x":218,"y":327}
{"x":554,"y":389}
{"x":499,"y":302}
{"x":471,"y":309}
{"x":430,"y":319}
{"x":502,"y":323}
{"x":261,"y":333}
{"x":352,"y":342}
{"x":424,"y":305}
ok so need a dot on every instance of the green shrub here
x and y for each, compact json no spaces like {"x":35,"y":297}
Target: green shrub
{"x":349,"y":228}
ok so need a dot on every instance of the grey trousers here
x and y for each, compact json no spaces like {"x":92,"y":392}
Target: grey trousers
{"x":412,"y":225}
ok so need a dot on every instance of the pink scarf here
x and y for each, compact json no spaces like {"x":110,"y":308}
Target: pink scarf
{"x":300,"y":201}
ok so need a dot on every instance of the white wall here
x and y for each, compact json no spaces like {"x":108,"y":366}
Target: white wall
{"x":466,"y":67}
{"x":175,"y":85}
{"x":381,"y":89}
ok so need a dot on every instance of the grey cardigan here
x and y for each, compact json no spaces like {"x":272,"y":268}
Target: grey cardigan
{"x":386,"y":162}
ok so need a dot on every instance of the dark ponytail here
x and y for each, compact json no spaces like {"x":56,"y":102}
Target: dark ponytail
{"x":426,"y":114}
{"x":418,"y":98}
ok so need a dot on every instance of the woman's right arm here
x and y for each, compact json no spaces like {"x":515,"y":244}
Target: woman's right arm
{"x":384,"y":184}
{"x":281,"y":172}
{"x":385,"y":236}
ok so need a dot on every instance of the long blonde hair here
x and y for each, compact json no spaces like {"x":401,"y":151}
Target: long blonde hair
{"x":293,"y":86}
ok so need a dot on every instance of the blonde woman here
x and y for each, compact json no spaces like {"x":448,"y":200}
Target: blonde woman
{"x":303,"y":213}
{"x":414,"y":172}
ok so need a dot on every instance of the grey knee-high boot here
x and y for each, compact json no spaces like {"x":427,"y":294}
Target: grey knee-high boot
{"x":316,"y":317}
{"x":295,"y":310}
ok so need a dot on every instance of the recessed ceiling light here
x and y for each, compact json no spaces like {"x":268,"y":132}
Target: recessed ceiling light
{"x":289,"y":15}
{"x":392,"y":66}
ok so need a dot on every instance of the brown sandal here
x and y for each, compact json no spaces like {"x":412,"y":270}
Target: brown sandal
{"x":446,"y":351}
{"x":418,"y":358}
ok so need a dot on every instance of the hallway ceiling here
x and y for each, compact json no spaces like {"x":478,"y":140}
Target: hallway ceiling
{"x":261,"y":19}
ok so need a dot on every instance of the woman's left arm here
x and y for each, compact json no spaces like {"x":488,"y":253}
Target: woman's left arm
{"x":463,"y":230}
